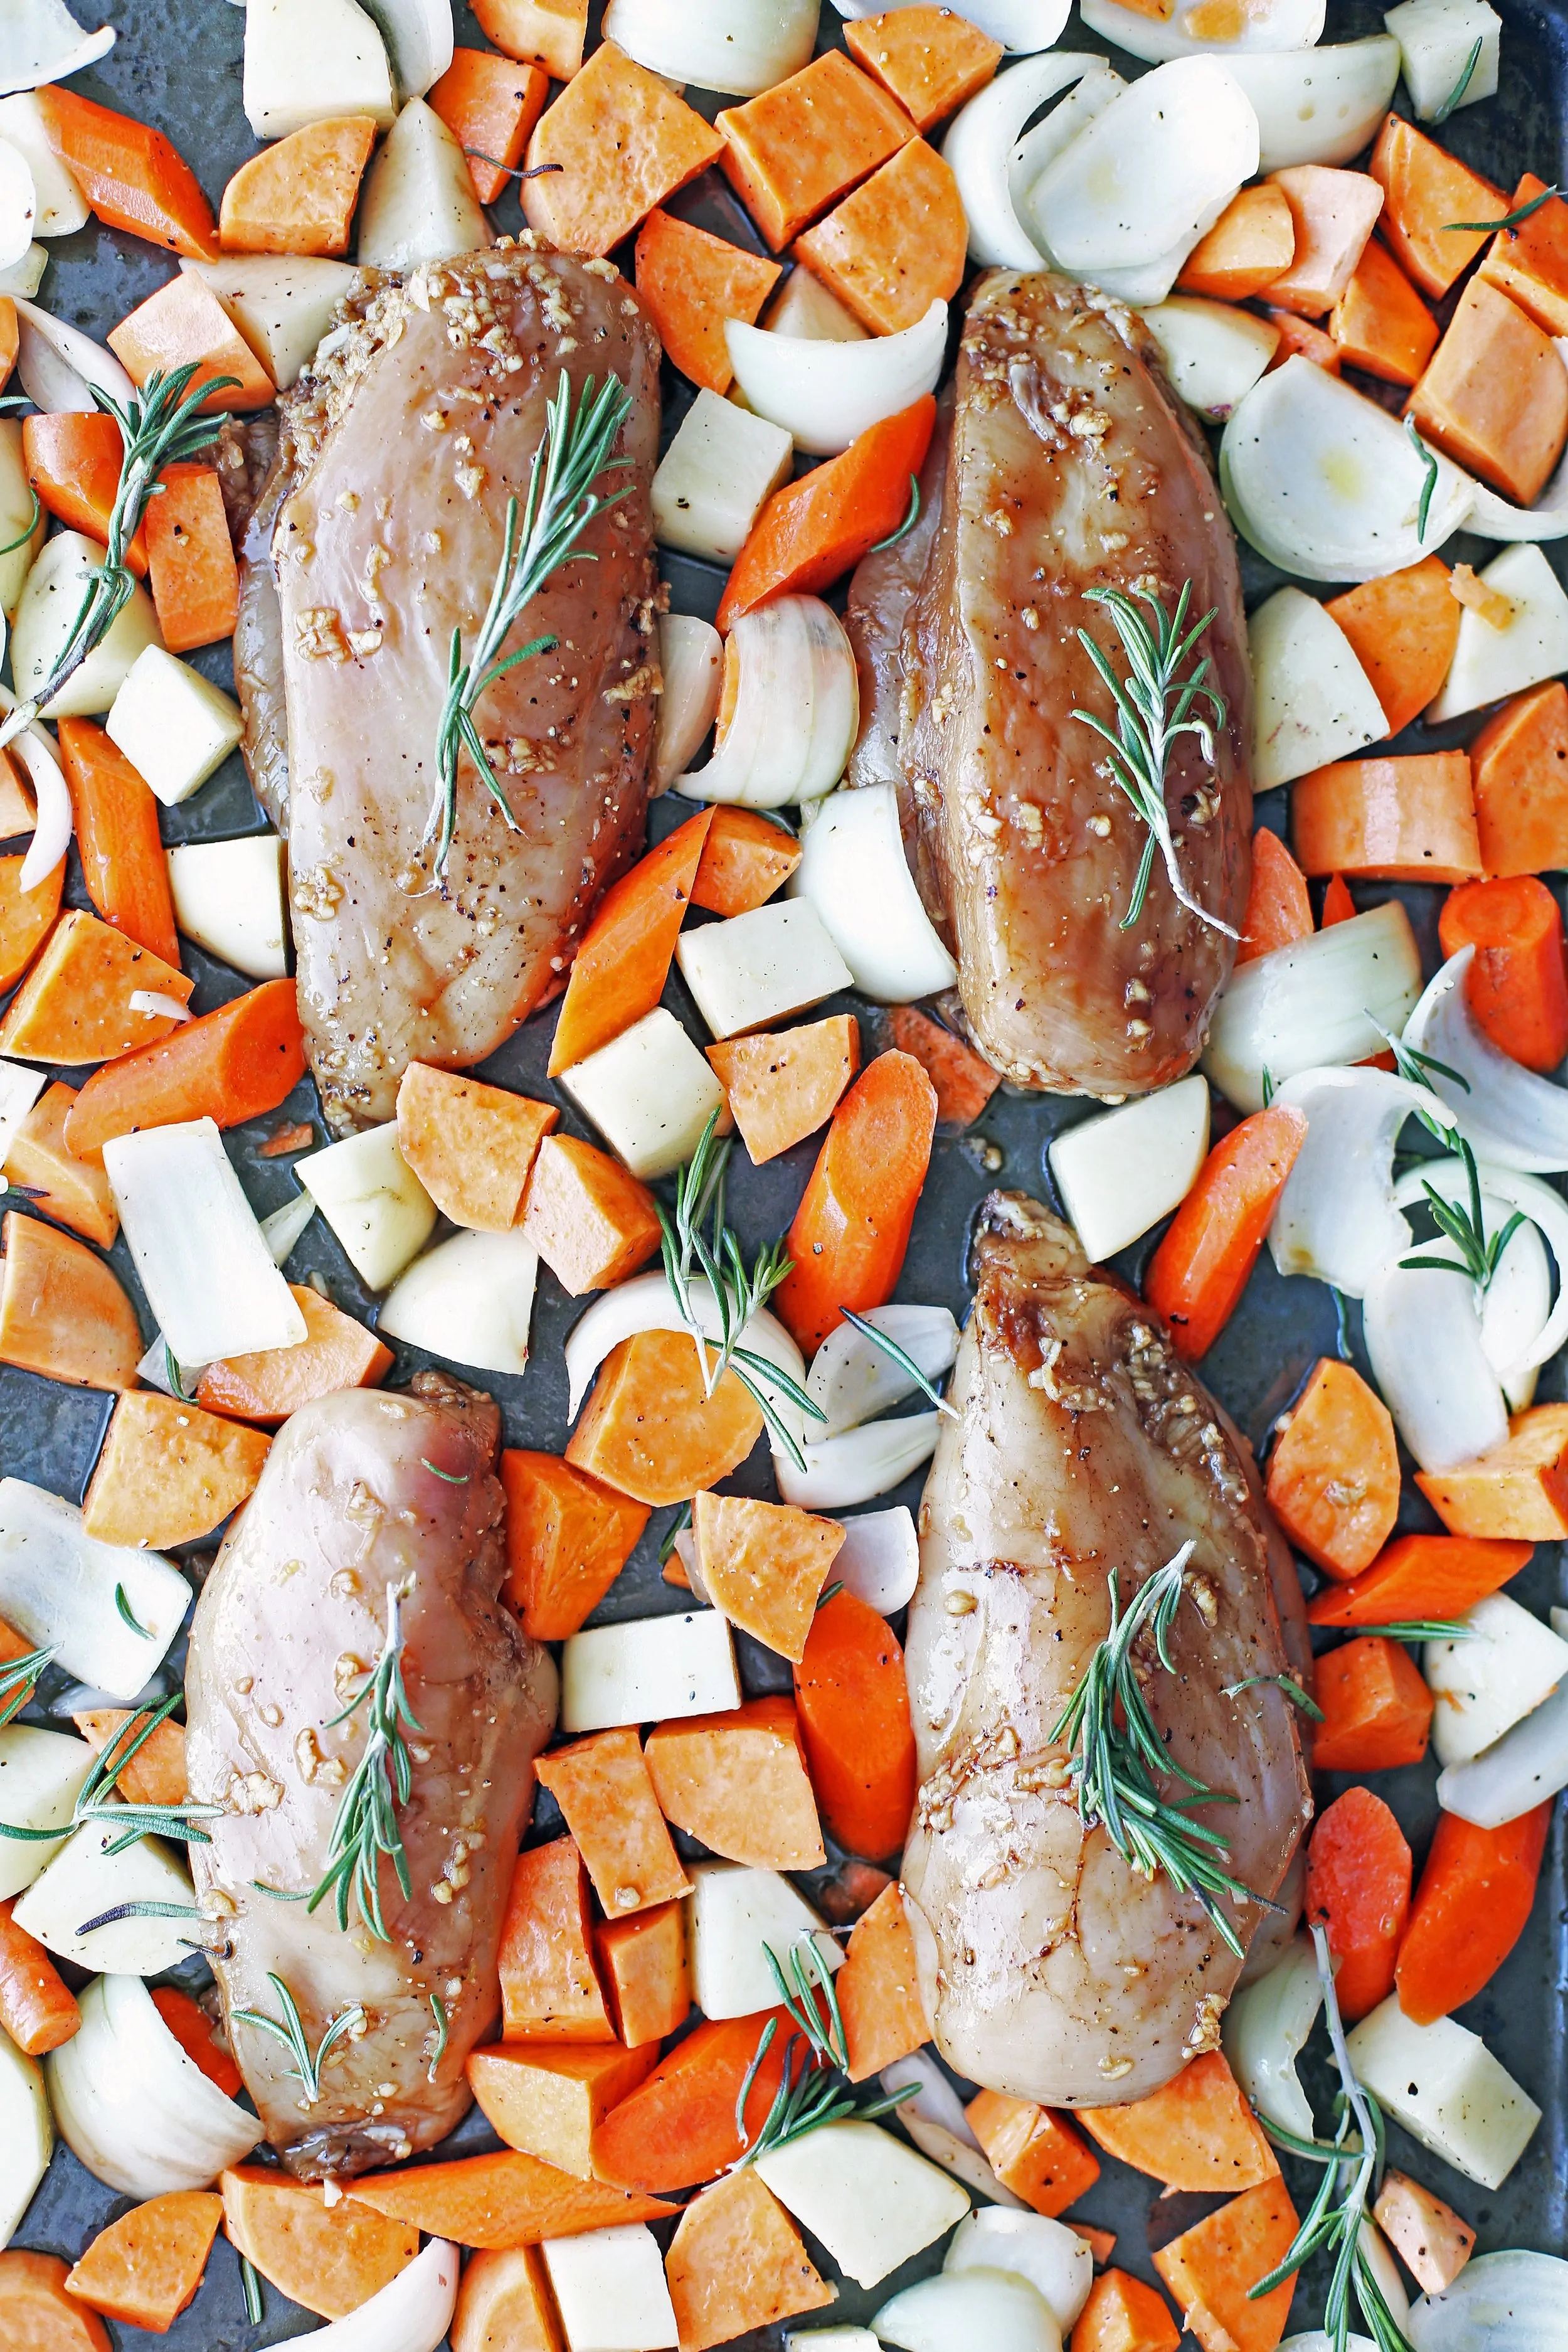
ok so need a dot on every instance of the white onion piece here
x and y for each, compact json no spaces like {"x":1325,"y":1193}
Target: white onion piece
{"x":1058,"y":2264}
{"x":1325,"y":998}
{"x":40,"y":41}
{"x":1337,"y":1218}
{"x":647,"y":1303}
{"x":854,"y":1379}
{"x":209,"y":1276}
{"x":739,"y":45}
{"x":18,"y":204}
{"x":982,"y":149}
{"x":61,"y":367}
{"x":58,"y":1588}
{"x":796,"y":709}
{"x":691,"y":664}
{"x":1513,"y":1118}
{"x":1384,"y":2271}
{"x":1056,"y":132}
{"x":19,"y":1090}
{"x":282,"y":1230}
{"x":957,"y":2310}
{"x":1317,"y":105}
{"x":139,"y":2113}
{"x":470,"y":1299}
{"x":1265,"y":24}
{"x":411,"y":2314}
{"x":1516,"y":1309}
{"x":1523,"y":1769}
{"x":1265,"y":2029}
{"x":1326,"y":484}
{"x":153,"y":1002}
{"x":935,"y":2097}
{"x":1491,"y":517}
{"x":1424,"y":1340}
{"x":1019,"y":24}
{"x":858,"y":1465}
{"x":1316,"y":2339}
{"x":52,"y":834}
{"x":853,"y":871}
{"x":825,"y":394}
{"x":419,"y":39}
{"x":1545,"y":1208}
{"x":1515,"y":2302}
{"x":956,"y":2155}
{"x":879,"y":1560}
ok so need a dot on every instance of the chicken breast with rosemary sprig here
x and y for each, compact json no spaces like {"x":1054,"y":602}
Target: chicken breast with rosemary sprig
{"x":1051,"y":1967}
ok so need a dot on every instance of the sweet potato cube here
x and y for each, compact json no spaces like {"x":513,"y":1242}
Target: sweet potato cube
{"x":62,"y":1312}
{"x":472,"y":1145}
{"x":932,"y":60}
{"x":1402,"y":630}
{"x":75,"y":1005}
{"x":604,"y":1791}
{"x":1210,"y":2268}
{"x":549,"y":33}
{"x":764,"y":1565}
{"x":895,"y":245}
{"x":1376,"y":1708}
{"x":1125,"y":2315}
{"x":879,"y":1989}
{"x":745,"y":859}
{"x":73,"y":1191}
{"x":568,"y":1538}
{"x":1332,"y":213}
{"x":168,"y":1472}
{"x":547,"y":2100}
{"x":26,"y":917}
{"x":503,"y":2200}
{"x":155,"y":1774}
{"x":784,"y":1086}
{"x":1196,"y":2132}
{"x":332,"y":2258}
{"x":1530,"y":263}
{"x":1380,"y":322}
{"x":643,"y":1963}
{"x":299,"y":195}
{"x":504,"y":2303}
{"x":624,"y":141}
{"x":1427,"y":189}
{"x":649,"y":1430}
{"x":1409,"y":819}
{"x":335,"y":1353}
{"x":806,"y":142}
{"x":192,"y":573}
{"x":739,"y":1782}
{"x":1333,"y":1475}
{"x":590,"y":1222}
{"x":1518,"y":766}
{"x":1495,"y":397}
{"x":691,"y":283}
{"x":1519,"y":1490}
{"x":549,"y":1987}
{"x":146,"y":2267}
{"x":1429,"y":2236}
{"x":1252,"y":242}
{"x":1040,"y":2156}
{"x":489,"y":104}
{"x":183,"y":322}
{"x":963,"y":1082}
{"x":736,"y":2261}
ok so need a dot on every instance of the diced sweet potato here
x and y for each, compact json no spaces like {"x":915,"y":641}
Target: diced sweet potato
{"x":1210,"y":2267}
{"x":1402,"y":630}
{"x":1518,"y":1490}
{"x":471,"y":1145}
{"x":1429,"y":2236}
{"x":879,"y":1989}
{"x":168,"y":1472}
{"x":590,"y":1222}
{"x":568,"y":1538}
{"x":745,"y":859}
{"x":508,"y":2200}
{"x":1377,"y":1709}
{"x":335,"y":1353}
{"x":783,"y":1086}
{"x":299,"y":195}
{"x":1427,"y":190}
{"x":73,"y":1191}
{"x":1519,"y":766}
{"x":1196,"y":2132}
{"x":40,"y":2316}
{"x":1041,"y":2156}
{"x":649,"y":1431}
{"x":795,"y":150}
{"x":489,"y":104}
{"x":764,"y":1564}
{"x":504,"y":2303}
{"x":26,"y":917}
{"x":1125,"y":2315}
{"x":894,"y":246}
{"x":330,"y":2258}
{"x":549,"y":1987}
{"x":183,"y":323}
{"x":690,"y":284}
{"x":1402,"y":820}
{"x":1300,"y":338}
{"x":1252,"y":242}
{"x":143,"y":2269}
{"x":549,"y":33}
{"x":1333,"y":1475}
{"x":155,"y":1774}
{"x":1380,"y":322}
{"x":1495,"y":397}
{"x":194,"y":581}
{"x":1332,"y":214}
{"x":604,"y":1792}
{"x":736,"y":2261}
{"x":643,"y":1961}
{"x":546,"y":2101}
{"x":963,"y":1082}
{"x":739,"y":1782}
{"x":624,"y":141}
{"x":1530,"y":263}
{"x":62,"y":1313}
{"x":75,"y":1005}
{"x":932,"y":60}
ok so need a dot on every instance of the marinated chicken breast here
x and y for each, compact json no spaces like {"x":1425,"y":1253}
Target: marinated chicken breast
{"x":361,"y":1492}
{"x":405,"y":444}
{"x":1071,"y":467}
{"x":1049,"y":1967}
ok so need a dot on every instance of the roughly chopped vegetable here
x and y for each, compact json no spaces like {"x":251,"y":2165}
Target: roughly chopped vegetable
{"x":794,"y":151}
{"x":1402,"y":628}
{"x":129,"y":174}
{"x":1332,"y":213}
{"x":1376,"y":1710}
{"x":505,"y":2301}
{"x":851,"y":1230}
{"x":764,"y":1565}
{"x":739,"y":1782}
{"x":332,"y":2258}
{"x":625,"y":144}
{"x":299,"y":196}
{"x":1210,"y":2267}
{"x":932,"y":60}
{"x":62,"y":1312}
{"x":679,"y":2126}
{"x":268,"y":1386}
{"x":1529,"y":261}
{"x":1252,"y":242}
{"x":568,"y":1536}
{"x":546,"y":2101}
{"x":1041,"y":2156}
{"x":33,"y":2290}
{"x":854,"y":1709}
{"x":691,"y":283}
{"x":650,"y":1431}
{"x":1427,"y":189}
{"x":1196,"y":2132}
{"x":168,"y":1472}
{"x":895,"y":245}
{"x":37,"y":2009}
{"x":549,"y":1987}
{"x":1495,"y":395}
{"x":186,"y":325}
{"x":1519,"y":763}
{"x":606,"y":1797}
{"x":229,"y":1066}
{"x":191,"y":560}
{"x":1125,"y":2315}
{"x":1405,"y":820}
{"x":490,"y":105}
{"x":1358,"y":1885}
{"x":620,"y":969}
{"x":1517,"y":985}
{"x":1333,"y":1476}
{"x":75,"y":1005}
{"x":1207,"y":1253}
{"x":1380,"y":322}
{"x":642,"y":1962}
{"x":1519,"y":1492}
{"x":1469,"y":1910}
{"x":144,"y":2268}
{"x":73,"y":1191}
{"x":736,"y":2261}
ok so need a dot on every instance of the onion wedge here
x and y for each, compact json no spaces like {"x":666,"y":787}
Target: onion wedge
{"x":1265,"y":2031}
{"x":825,"y":394}
{"x":1424,"y":1340}
{"x":61,"y":367}
{"x":1265,"y":24}
{"x":983,"y":150}
{"x":130,"y":2103}
{"x":1513,"y":1119}
{"x":40,"y":41}
{"x":739,"y":46}
{"x":1325,"y":999}
{"x":858,"y":1465}
{"x":1514,"y":2301}
{"x":1504,"y":1189}
{"x":1337,"y":1218}
{"x":854,"y":1379}
{"x":853,"y":870}
{"x":795,"y":710}
{"x":1317,"y":105}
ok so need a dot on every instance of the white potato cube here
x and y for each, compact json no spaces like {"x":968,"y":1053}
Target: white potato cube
{"x":761,"y":967}
{"x":1490,"y":663}
{"x":211,"y":1280}
{"x":175,"y":726}
{"x":16,"y":507}
{"x":1312,"y":702}
{"x":373,"y":1202}
{"x":57,"y":1587}
{"x":419,"y":202}
{"x":648,"y":1670}
{"x":649,"y":1094}
{"x":62,"y":208}
{"x":1490,"y":1681}
{"x":469,"y":1299}
{"x":732,"y":1912}
{"x":85,"y":1880}
{"x":26,"y":2134}
{"x":609,"y":2289}
{"x":1435,"y":38}
{"x":228,"y":897}
{"x":1214,"y":353}
{"x":1119,"y":1173}
{"x":41,"y":1777}
{"x":46,"y":614}
{"x":1443,"y":2085}
{"x":714,"y":477}
{"x":19,"y":1090}
{"x":307,"y":60}
{"x":867,"y":2196}
{"x":282,"y":303}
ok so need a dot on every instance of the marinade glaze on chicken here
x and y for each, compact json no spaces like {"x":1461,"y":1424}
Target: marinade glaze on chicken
{"x":1050,"y":1969}
{"x":1071,"y":467}
{"x":401,"y":451}
{"x":363,"y":1490}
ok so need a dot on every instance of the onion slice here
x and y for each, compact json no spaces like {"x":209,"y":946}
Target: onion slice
{"x":1338,"y":1217}
{"x":1424,"y":1340}
{"x":1543,"y":1206}
{"x":983,"y":152}
{"x":647,"y":1303}
{"x":132,"y":2106}
{"x":1523,"y":1769}
{"x":58,"y":1588}
{"x":853,"y":871}
{"x":854,"y":1379}
{"x":788,"y":725}
{"x":1264,"y":24}
{"x":40,"y":41}
{"x":691,"y":666}
{"x":61,"y":367}
{"x":743,"y":47}
{"x":879,"y":1560}
{"x":858,"y":1465}
{"x":1317,"y":105}
{"x":1325,"y":998}
{"x":1265,"y":2029}
{"x":825,"y":394}
{"x":1514,"y":1119}
{"x":209,"y":1276}
{"x":419,"y":40}
{"x":1019,"y":25}
{"x":52,"y":834}
{"x":1514,"y":2301}
{"x":411,"y":2314}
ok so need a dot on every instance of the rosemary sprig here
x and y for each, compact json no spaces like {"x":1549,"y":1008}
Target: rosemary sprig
{"x":1120,"y":1758}
{"x":366,"y":1826}
{"x":877,"y":547}
{"x":129,"y":1822}
{"x":561,"y":503}
{"x":442,"y":2030}
{"x":140,"y":1909}
{"x":1467,"y":75}
{"x":690,"y":1253}
{"x":26,"y":533}
{"x":158,"y":426}
{"x":18,"y":1681}
{"x":1148,"y":723}
{"x":1429,"y":481}
{"x":1287,"y":1683}
{"x":1463,"y":1222}
{"x":1415,"y":1629}
{"x":820,"y":2092}
{"x":127,"y":1614}
{"x":1508,"y":220}
{"x":1416,"y":1068}
{"x":172,"y":1375}
{"x":250,"y":2283}
{"x":292,"y":2036}
{"x":903,"y":1359}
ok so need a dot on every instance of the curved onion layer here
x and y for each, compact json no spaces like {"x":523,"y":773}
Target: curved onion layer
{"x":1264,"y":24}
{"x":825,"y":394}
{"x":853,"y":870}
{"x":647,"y":1303}
{"x":1544,"y":1328}
{"x":419,"y":39}
{"x":52,"y":834}
{"x":859,"y":1466}
{"x":1515,"y":2302}
{"x":935,"y":2100}
{"x":739,"y":45}
{"x":1318,"y":105}
{"x":1337,"y":1217}
{"x":1051,"y":136}
{"x":957,"y":2310}
{"x":411,"y":2314}
{"x":791,"y":704}
{"x":18,"y":204}
{"x":879,"y":1560}
{"x":1494,"y":518}
{"x":1514,"y":1117}
{"x":1321,"y":1000}
{"x":1019,"y":24}
{"x":40,"y":41}
{"x":61,"y":367}
{"x":1056,"y":2262}
{"x":1424,"y":1340}
{"x":984,"y":153}
{"x":139,"y":2113}
{"x":691,"y":666}
{"x":1265,"y":2029}
{"x":1523,"y":1769}
{"x":854,"y":1379}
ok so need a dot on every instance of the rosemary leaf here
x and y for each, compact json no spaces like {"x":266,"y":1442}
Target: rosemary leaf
{"x":250,"y":2283}
{"x":902,"y":1358}
{"x":18,"y":1681}
{"x":1429,"y":482}
{"x":292,"y":2033}
{"x":1508,"y":220}
{"x":366,"y":1826}
{"x":127,"y":1615}
{"x":905,"y":528}
{"x":1456,"y":96}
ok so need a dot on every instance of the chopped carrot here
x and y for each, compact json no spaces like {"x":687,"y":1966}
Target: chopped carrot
{"x":745,"y":859}
{"x":1380,"y":322}
{"x":606,"y":1797}
{"x":853,"y":1708}
{"x":472,"y":1145}
{"x":1358,"y":1886}
{"x":649,"y":1431}
{"x":764,"y":1565}
{"x":963,"y":1082}
{"x":1333,"y":1476}
{"x":193,"y":2030}
{"x":568,"y":1538}
{"x":1530,"y":263}
{"x":1376,"y":1710}
{"x":1409,"y":819}
{"x":1339,"y":906}
{"x":227,"y":1066}
{"x":62,"y":1312}
{"x":1429,"y":2236}
{"x":504,"y":2303}
{"x":624,"y":142}
{"x":736,"y":2261}
{"x":1402,"y":630}
{"x":508,"y":2200}
{"x":1517,"y":986}
{"x":129,"y":174}
{"x":1471,"y":1907}
{"x":1210,"y":2268}
{"x":620,"y":969}
{"x":40,"y":1163}
{"x":37,"y":2010}
{"x":1200,"y":1269}
{"x":154,"y":1774}
{"x":1041,"y":2156}
{"x":1518,"y":1492}
{"x":143,"y":2269}
{"x":75,"y":1005}
{"x":690,"y":284}
{"x":73,"y":461}
{"x":1519,"y":763}
{"x":895,"y":245}
{"x":549,"y":1987}
{"x":1195,"y":2132}
{"x":299,"y":196}
{"x":18,"y":813}
{"x":643,"y":1961}
{"x":191,"y":559}
{"x":812,"y":531}
{"x":298,"y":1135}
{"x":878,"y":1990}
{"x":678,"y":2127}
{"x":183,"y":323}
{"x":591,"y":1221}
{"x":1252,"y":242}
{"x":115,"y":815}
{"x":26,"y":917}
{"x":931,"y":61}
{"x":1420,"y":1577}
{"x":336,"y":1353}
{"x":783,"y":1086}
{"x":850,"y":1233}
{"x":1123,"y":2315}
{"x":547,"y":2101}
{"x":739,"y":1782}
{"x":1427,"y":190}
{"x":547,"y":32}
{"x":489,"y":104}
{"x":39,"y":2316}
{"x":168,"y":1472}
{"x":330,"y":2258}
{"x":807,"y":142}
{"x":1298,"y":339}
{"x":1278,"y":909}
{"x":1495,"y":395}
{"x":1332,"y":213}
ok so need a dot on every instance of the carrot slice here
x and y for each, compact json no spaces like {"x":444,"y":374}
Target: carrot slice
{"x":193,"y":2030}
{"x":879,"y":1989}
{"x":853,"y":1708}
{"x":1278,"y":909}
{"x":227,"y":1066}
{"x":146,"y":2267}
{"x":509,"y":2199}
{"x":851,"y":1230}
{"x":678,"y":2127}
{"x":1200,"y":1269}
{"x":1041,"y":2156}
{"x":568,"y":1538}
{"x":1421,"y":1577}
{"x":549,"y":1987}
{"x":812,"y":531}
{"x":1338,"y":904}
{"x":1520,"y":765}
{"x":1517,"y":986}
{"x":489,"y":104}
{"x":963,"y":1082}
{"x":129,"y":174}
{"x":1196,"y":2132}
{"x":299,"y":196}
{"x":332,"y":2258}
{"x":39,"y":2316}
{"x":1358,"y":1885}
{"x":62,"y":1313}
{"x":116,"y":819}
{"x":1471,"y":1907}
{"x":1410,"y":819}
{"x":73,"y":461}
{"x":736,"y":2261}
{"x":691,"y":283}
{"x":1333,"y":1476}
{"x":191,"y":559}
{"x":168,"y":1472}
{"x":37,"y":2010}
{"x":75,"y":1004}
{"x":620,"y":970}
{"x":744,"y":860}
{"x":336,"y":1353}
{"x":1376,"y":1710}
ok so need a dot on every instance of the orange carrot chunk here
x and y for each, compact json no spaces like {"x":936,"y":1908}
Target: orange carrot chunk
{"x":1252,"y":242}
{"x":745,"y":859}
{"x":37,"y":2010}
{"x":1210,"y":2268}
{"x":568,"y":1538}
{"x":1278,"y":909}
{"x":1123,"y":2315}
{"x":1358,"y":1886}
{"x":736,"y":2261}
{"x":1377,"y":1711}
{"x":129,"y":174}
{"x":1495,"y":395}
{"x":1339,"y":906}
{"x":649,"y":1430}
{"x":1402,"y":630}
{"x":38,"y":2314}
{"x":621,"y":968}
{"x":183,"y":323}
{"x":1530,"y":263}
{"x":75,"y":1005}
{"x":895,"y":245}
{"x":143,"y":2269}
{"x":624,"y":142}
{"x":1195,"y":2132}
{"x":73,"y":462}
{"x":1333,"y":1476}
{"x":1041,"y":2157}
{"x":550,"y":1987}
{"x":853,"y":1708}
{"x":782,"y":1088}
{"x":490,"y":105}
{"x":1427,"y":189}
{"x":336,"y":1353}
{"x":801,"y":145}
{"x":1402,"y":820}
{"x":1520,"y":762}
{"x":191,"y":559}
{"x":116,"y":819}
{"x":62,"y":1313}
{"x":227,"y":1066}
{"x":1517,"y":985}
{"x":193,"y":2030}
{"x":963,"y":1082}
{"x":1380,"y":322}
{"x":932,"y":60}
{"x":678,"y":2127}
{"x":1471,"y":1907}
{"x":591,"y":1221}
{"x":72,"y":1192}
{"x":1200,"y":1269}
{"x":299,"y":195}
{"x":1421,"y":1577}
{"x":26,"y":917}
{"x":691,"y":283}
{"x":850,"y":1233}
